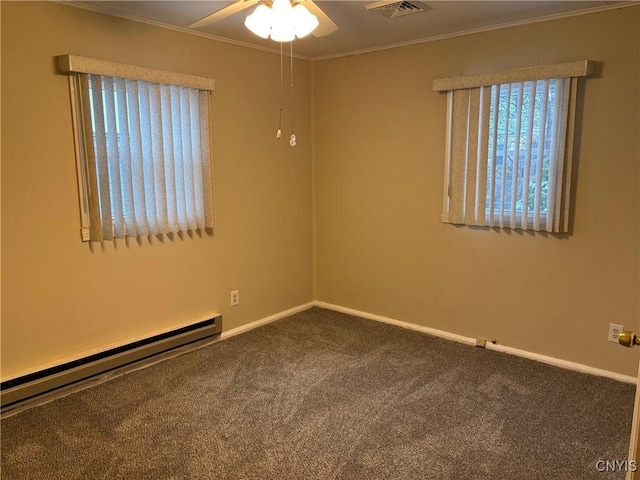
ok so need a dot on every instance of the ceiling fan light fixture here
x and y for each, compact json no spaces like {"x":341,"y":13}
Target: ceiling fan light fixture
{"x":283,"y":22}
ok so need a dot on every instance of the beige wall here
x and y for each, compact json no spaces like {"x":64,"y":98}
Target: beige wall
{"x":60,"y":297}
{"x":380,"y":246}
{"x":379,"y":146}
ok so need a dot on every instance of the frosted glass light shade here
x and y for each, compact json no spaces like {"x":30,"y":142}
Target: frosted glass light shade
{"x":282,"y":22}
{"x":259,"y":22}
{"x":304,"y":22}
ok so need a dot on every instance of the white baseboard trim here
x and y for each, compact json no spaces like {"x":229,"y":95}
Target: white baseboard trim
{"x":264,"y":321}
{"x":410,"y":326}
{"x":558,"y":362}
{"x":489,"y":346}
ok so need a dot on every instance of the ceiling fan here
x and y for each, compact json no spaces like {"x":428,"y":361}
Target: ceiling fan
{"x":325,"y":27}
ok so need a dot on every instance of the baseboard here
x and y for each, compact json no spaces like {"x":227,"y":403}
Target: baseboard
{"x":264,"y":321}
{"x":409,"y":326}
{"x":489,"y":346}
{"x":558,"y":362}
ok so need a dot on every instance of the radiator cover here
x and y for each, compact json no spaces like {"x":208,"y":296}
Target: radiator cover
{"x":27,"y":386}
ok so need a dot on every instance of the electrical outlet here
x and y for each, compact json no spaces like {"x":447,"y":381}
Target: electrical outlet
{"x":614,"y":332}
{"x":235,"y":298}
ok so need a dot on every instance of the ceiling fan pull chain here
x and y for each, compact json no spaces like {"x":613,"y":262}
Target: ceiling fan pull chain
{"x":279,"y":132}
{"x":292,"y":139}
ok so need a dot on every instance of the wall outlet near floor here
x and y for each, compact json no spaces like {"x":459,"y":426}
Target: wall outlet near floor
{"x":614,"y":332}
{"x":235,"y":298}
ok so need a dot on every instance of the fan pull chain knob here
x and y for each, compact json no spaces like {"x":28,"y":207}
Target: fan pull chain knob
{"x":279,"y":134}
{"x":292,"y":140}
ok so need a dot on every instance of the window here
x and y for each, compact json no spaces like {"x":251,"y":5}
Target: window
{"x":142,"y":138}
{"x":509,"y":147}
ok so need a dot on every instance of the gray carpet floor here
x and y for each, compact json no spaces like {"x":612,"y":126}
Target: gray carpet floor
{"x":323,"y":395}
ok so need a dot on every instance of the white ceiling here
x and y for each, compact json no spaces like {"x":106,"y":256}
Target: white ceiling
{"x":359,"y":29}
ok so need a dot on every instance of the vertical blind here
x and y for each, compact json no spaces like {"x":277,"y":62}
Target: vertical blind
{"x":142,"y":148}
{"x":148,"y":158}
{"x":510,"y":149}
{"x":508,"y":155}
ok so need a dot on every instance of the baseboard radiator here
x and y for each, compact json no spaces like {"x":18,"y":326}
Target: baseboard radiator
{"x":43,"y":381}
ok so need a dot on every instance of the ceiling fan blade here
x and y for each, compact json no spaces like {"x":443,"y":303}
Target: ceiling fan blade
{"x":326,"y":26}
{"x":224,"y":13}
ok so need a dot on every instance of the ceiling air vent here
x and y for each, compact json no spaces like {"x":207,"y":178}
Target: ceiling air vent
{"x":396,"y":8}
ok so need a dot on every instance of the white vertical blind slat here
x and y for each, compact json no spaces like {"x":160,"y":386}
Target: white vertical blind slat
{"x":100,"y":148}
{"x":124,"y":147}
{"x":516,"y":159}
{"x":483,"y":156}
{"x":563,"y":86}
{"x":458,"y":155}
{"x":472,"y":157}
{"x":113,"y":157}
{"x":207,"y":169}
{"x":505,"y":154}
{"x":527,"y":161}
{"x":568,"y":153}
{"x":169,"y":163}
{"x":137,"y":160}
{"x":197,"y":159}
{"x":187,"y":155}
{"x":157,"y":159}
{"x":148,"y":168}
{"x":176,"y":119}
{"x":495,"y":93}
{"x":554,"y":166}
{"x":540,"y":154}
{"x":93,"y":189}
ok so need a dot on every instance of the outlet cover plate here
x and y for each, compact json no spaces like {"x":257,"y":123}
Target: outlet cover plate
{"x":235,"y":298}
{"x":614,"y":332}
